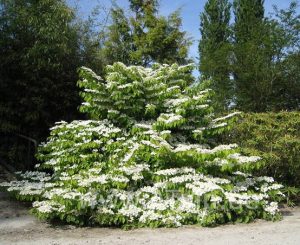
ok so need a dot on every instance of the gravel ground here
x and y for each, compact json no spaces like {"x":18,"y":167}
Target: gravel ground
{"x":17,"y":226}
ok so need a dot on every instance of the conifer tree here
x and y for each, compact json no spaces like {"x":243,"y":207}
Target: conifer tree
{"x":145,"y":37}
{"x":249,"y":15}
{"x":214,"y":49}
{"x":252,"y":56}
{"x":119,"y":42}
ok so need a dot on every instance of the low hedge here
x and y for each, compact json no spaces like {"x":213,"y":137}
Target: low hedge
{"x":276,"y":138}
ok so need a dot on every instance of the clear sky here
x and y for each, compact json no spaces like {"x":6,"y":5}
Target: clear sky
{"x":190,"y":11}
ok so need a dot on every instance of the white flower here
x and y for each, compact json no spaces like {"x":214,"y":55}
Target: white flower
{"x":102,"y":179}
{"x":220,"y":125}
{"x":176,"y":102}
{"x":200,"y":188}
{"x":173,"y":220}
{"x":105,"y":210}
{"x":149,"y":189}
{"x":121,"y":179}
{"x":184,"y":178}
{"x":264,"y":179}
{"x":131,"y":152}
{"x":244,"y":159}
{"x":130,"y":211}
{"x":169,"y":118}
{"x":149,"y":215}
{"x":242,"y":174}
{"x":175,"y":171}
{"x":135,"y":169}
{"x":148,"y":143}
{"x":216,"y":199}
{"x":265,"y":188}
{"x":187,"y":205}
{"x":272,"y":208}
{"x":137,"y":177}
{"x":237,"y":198}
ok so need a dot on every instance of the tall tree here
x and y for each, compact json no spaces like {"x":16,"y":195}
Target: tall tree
{"x":119,"y":42}
{"x":214,"y":49}
{"x":266,"y":65}
{"x":39,"y":55}
{"x":145,"y":37}
{"x":252,"y":58}
{"x":287,"y":91}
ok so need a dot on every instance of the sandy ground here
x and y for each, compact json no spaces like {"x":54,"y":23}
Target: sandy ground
{"x":17,"y":226}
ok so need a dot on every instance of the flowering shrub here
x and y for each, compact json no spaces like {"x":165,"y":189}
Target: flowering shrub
{"x":147,"y":157}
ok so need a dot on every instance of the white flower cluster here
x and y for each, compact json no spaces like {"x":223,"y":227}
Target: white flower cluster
{"x":169,"y":118}
{"x":202,"y":150}
{"x":102,"y":179}
{"x":200,"y":188}
{"x":48,"y":206}
{"x":272,"y":208}
{"x":244,"y":159}
{"x":175,"y":171}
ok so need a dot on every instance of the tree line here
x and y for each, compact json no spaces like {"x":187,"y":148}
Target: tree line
{"x":253,"y":62}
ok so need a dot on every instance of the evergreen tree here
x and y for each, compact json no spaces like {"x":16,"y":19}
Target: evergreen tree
{"x":249,"y":15}
{"x":145,"y":37}
{"x":119,"y":41}
{"x":266,"y":57}
{"x":214,"y":49}
{"x":252,"y":57}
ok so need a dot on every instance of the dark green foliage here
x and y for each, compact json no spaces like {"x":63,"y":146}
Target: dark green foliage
{"x":251,"y":56}
{"x":288,"y":43}
{"x":38,"y":60}
{"x":249,"y":15}
{"x":119,"y":40}
{"x":276,"y":138}
{"x":261,"y":53}
{"x":145,"y":37}
{"x":266,"y":54}
{"x":214,"y":49}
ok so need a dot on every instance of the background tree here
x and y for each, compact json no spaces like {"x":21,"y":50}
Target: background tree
{"x":145,"y":37}
{"x":39,"y":54}
{"x":91,"y":35}
{"x":118,"y":44}
{"x":266,"y":56}
{"x":287,"y":93}
{"x":262,"y":54}
{"x":251,"y":55}
{"x":214,"y":50}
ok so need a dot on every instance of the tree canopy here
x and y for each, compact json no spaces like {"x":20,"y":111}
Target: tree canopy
{"x":145,"y":37}
{"x":215,"y":50}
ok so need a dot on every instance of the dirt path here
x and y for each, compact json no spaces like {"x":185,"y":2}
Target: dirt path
{"x":18,"y":227}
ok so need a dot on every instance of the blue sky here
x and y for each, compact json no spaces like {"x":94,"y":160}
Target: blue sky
{"x":190,"y":11}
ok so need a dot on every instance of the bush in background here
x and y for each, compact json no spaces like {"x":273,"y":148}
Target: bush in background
{"x":276,"y":138}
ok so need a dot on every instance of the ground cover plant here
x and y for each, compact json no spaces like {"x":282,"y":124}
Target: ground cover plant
{"x":147,"y":157}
